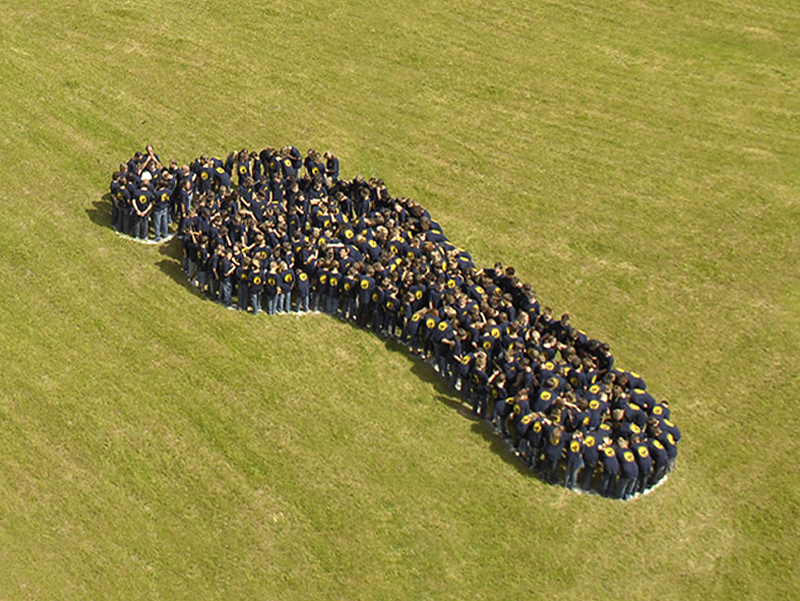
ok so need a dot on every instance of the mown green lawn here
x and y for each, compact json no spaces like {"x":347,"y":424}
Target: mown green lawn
{"x":636,"y":161}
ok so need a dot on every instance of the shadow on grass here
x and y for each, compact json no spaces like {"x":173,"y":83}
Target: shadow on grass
{"x":172,"y":266}
{"x":100,"y":212}
{"x":453,"y":400}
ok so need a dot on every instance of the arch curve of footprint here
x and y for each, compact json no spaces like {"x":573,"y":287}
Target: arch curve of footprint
{"x":274,"y":232}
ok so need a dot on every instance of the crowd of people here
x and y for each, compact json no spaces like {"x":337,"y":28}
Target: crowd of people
{"x":277,"y":232}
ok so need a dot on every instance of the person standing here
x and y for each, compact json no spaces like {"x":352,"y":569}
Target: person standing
{"x":242,"y":287}
{"x":226,"y":269}
{"x":554,"y":448}
{"x":610,"y":469}
{"x":286,"y":285}
{"x":163,"y":197}
{"x":591,"y":457}
{"x":255,"y":283}
{"x":142,"y":205}
{"x":628,"y":470}
{"x":574,"y":460}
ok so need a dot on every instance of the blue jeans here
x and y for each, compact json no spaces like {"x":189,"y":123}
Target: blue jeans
{"x":202,"y":279}
{"x":332,"y":305}
{"x":255,"y":302}
{"x":272,"y":304}
{"x":285,"y":302}
{"x":303,"y":302}
{"x":571,"y":476}
{"x":160,"y":223}
{"x":226,"y":292}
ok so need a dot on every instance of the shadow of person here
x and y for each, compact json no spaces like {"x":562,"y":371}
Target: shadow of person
{"x":174,"y":270}
{"x":172,"y":248}
{"x":503,"y":448}
{"x":100,"y":212}
{"x":172,"y":264}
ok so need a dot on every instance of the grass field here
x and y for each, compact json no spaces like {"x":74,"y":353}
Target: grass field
{"x":636,"y":161}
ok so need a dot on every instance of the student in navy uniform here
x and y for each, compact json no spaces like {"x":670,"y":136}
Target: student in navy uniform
{"x":125,"y":199}
{"x":331,"y":166}
{"x":366,"y":284}
{"x":348,"y":294}
{"x":669,"y":443}
{"x":285,"y":287}
{"x":660,"y":460}
{"x":610,"y":469}
{"x":644,"y":461}
{"x":480,"y":385}
{"x":333,"y":290}
{"x":213,"y":273}
{"x":554,"y":448}
{"x":242,"y":287}
{"x":536,"y":439}
{"x":243,"y":166}
{"x":628,"y":470}
{"x":411,"y":331}
{"x":255,"y":284}
{"x":391,"y":302}
{"x":605,"y":360}
{"x":303,"y":291}
{"x":574,"y":460}
{"x":205,"y":177}
{"x":142,"y":205}
{"x":163,"y":197}
{"x":503,"y":410}
{"x":320,"y":301}
{"x":591,"y":458}
{"x":271,"y":288}
{"x":202,"y":254}
{"x":226,"y":270}
{"x":222,"y":179}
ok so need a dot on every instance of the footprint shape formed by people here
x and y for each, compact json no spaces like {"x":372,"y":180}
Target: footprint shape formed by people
{"x":274,"y":232}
